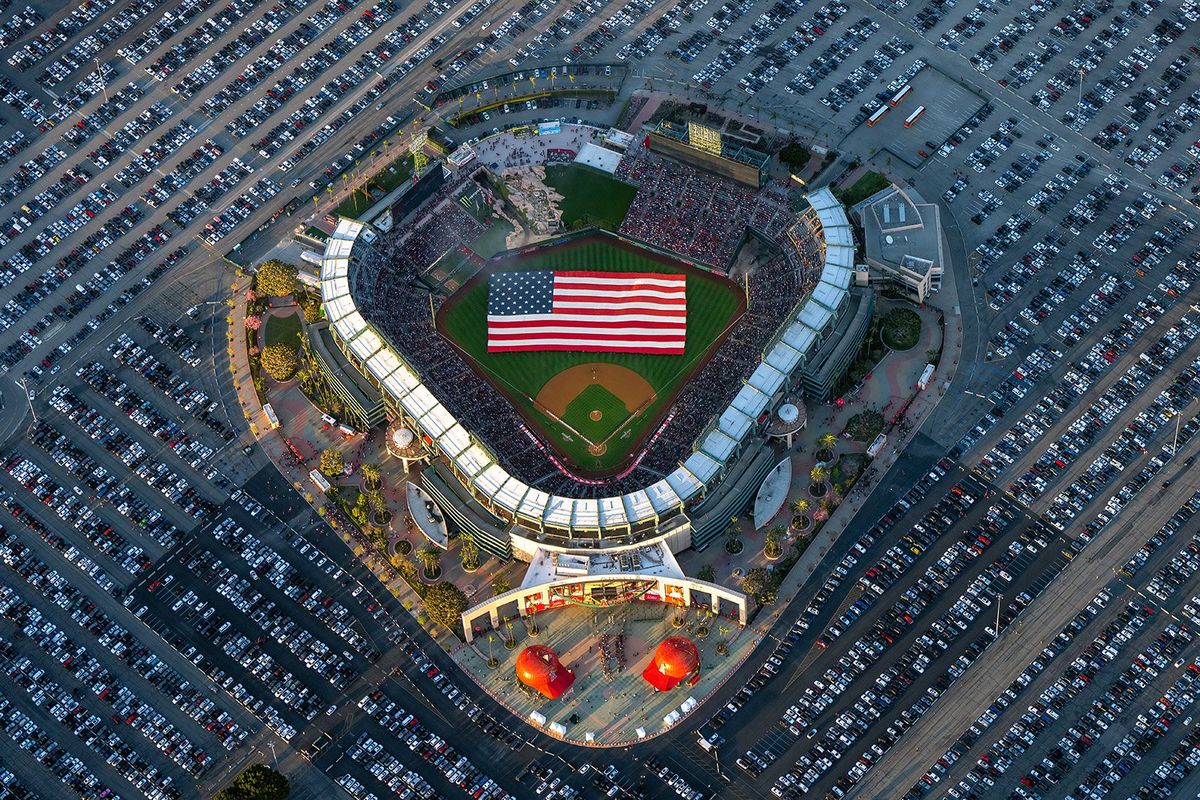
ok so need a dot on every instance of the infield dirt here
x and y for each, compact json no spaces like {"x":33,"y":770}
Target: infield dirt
{"x":632,"y":389}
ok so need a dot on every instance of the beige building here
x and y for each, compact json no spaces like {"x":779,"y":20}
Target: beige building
{"x":902,"y":240}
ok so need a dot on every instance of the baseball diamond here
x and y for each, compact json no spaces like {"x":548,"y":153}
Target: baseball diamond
{"x":594,"y":409}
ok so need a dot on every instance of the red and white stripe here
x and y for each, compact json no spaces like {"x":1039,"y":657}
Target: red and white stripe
{"x":623,"y":312}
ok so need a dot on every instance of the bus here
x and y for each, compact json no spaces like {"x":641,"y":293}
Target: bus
{"x":913,"y":117}
{"x":878,"y":115}
{"x":900,"y":95}
{"x":272,"y":417}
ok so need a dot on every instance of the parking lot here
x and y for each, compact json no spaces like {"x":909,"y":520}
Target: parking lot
{"x":131,"y":546}
{"x":948,"y":106}
{"x":169,"y":613}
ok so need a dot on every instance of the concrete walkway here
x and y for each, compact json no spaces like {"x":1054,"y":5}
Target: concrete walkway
{"x":920,"y":409}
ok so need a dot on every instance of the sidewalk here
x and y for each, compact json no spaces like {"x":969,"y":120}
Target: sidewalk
{"x":273,"y":445}
{"x":923,"y":405}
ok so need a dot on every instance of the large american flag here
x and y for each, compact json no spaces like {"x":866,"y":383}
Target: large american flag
{"x":596,"y":312}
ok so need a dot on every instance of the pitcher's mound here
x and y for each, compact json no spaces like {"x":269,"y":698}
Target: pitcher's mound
{"x":596,"y":415}
{"x":558,"y":392}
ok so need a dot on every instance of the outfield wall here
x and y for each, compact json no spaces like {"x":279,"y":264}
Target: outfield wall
{"x":512,"y":500}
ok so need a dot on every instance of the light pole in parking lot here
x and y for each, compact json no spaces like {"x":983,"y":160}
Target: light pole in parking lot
{"x":1178,"y":419}
{"x":100,"y":77}
{"x":24,"y":384}
{"x":999,"y":599}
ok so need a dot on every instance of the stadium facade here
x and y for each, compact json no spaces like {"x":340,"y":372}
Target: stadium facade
{"x":607,"y":549}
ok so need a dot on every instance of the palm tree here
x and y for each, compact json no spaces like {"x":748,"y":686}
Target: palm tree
{"x":376,"y":502}
{"x":732,"y":543}
{"x":800,"y":508}
{"x":818,"y":475}
{"x":828,"y":441}
{"x":371,"y":474}
{"x":469,"y":551}
{"x":774,"y":542}
{"x":429,"y":557}
{"x":493,"y":662}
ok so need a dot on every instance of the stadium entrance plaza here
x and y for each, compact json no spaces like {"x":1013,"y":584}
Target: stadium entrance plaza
{"x":610,"y":706}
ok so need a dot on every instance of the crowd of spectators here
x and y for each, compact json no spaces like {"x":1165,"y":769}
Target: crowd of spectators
{"x":513,"y":150}
{"x":690,"y":212}
{"x":612,"y":654}
{"x":677,"y":208}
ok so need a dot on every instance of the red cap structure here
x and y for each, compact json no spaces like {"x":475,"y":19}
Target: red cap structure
{"x":674,"y":660}
{"x":538,"y":667}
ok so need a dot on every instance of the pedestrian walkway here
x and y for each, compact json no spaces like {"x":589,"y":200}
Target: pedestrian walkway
{"x":608,"y":701}
{"x":918,"y":411}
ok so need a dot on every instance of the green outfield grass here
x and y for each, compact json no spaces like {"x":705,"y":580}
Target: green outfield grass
{"x":596,"y":398}
{"x":590,"y":197}
{"x":713,"y":304}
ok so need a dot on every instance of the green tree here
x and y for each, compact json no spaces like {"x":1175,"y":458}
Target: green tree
{"x":800,"y":507}
{"x":794,"y":155}
{"x":358,"y":512}
{"x":430,"y":557}
{"x":500,"y":585}
{"x":279,"y":361}
{"x":371,"y":475}
{"x":277,"y":278}
{"x":756,"y":582}
{"x":445,"y":603}
{"x":819,"y":475}
{"x":827,"y":441}
{"x":256,"y":782}
{"x":707,"y":573}
{"x":468,"y":551}
{"x":773,"y":548}
{"x":332,"y":463}
{"x":312,"y":310}
{"x":375,"y":501}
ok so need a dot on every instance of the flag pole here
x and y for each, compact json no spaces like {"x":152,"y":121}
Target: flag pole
{"x":746,"y":281}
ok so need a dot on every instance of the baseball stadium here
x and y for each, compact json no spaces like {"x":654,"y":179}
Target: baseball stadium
{"x":595,"y":465}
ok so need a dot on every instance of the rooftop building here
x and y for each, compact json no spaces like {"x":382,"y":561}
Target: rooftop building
{"x":902,"y":242}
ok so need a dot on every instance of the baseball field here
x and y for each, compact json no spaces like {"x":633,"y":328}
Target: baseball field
{"x":594,"y":409}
